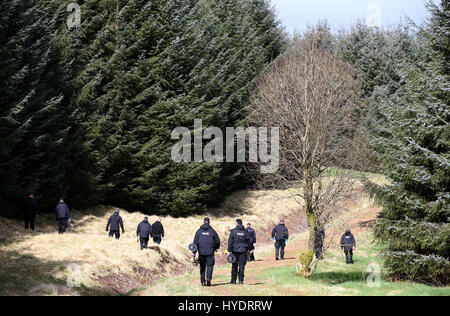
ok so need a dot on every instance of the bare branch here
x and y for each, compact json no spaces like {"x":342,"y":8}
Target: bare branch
{"x":311,"y":96}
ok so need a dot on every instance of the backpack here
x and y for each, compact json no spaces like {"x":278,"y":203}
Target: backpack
{"x":284,"y":232}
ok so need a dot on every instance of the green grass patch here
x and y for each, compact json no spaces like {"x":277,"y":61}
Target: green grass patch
{"x":334,"y":277}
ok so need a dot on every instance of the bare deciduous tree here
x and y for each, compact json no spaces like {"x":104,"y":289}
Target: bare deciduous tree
{"x":311,"y":96}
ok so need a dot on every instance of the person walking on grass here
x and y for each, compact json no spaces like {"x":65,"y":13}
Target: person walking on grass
{"x":113,"y":225}
{"x":239,"y":244}
{"x":143,"y":232}
{"x":252,"y":233}
{"x":280,"y":234}
{"x":157,"y":232}
{"x":62,"y":213}
{"x":348,"y":244}
{"x":30,"y":211}
{"x":207,"y":241}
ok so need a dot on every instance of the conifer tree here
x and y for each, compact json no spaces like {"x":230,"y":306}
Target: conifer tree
{"x":34,"y":112}
{"x":143,"y":68}
{"x":410,"y":133}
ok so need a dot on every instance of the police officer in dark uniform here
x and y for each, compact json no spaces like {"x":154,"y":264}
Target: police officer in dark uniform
{"x":207,"y":241}
{"x":157,"y":232}
{"x":348,"y":243}
{"x":143,"y":232}
{"x":252,"y":233}
{"x":30,"y":211}
{"x":239,"y":244}
{"x":114,"y":222}
{"x":280,"y":234}
{"x":62,"y":214}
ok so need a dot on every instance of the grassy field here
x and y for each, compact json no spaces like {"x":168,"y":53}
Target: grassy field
{"x":41,"y":263}
{"x":334,"y":277}
{"x":269,"y":277}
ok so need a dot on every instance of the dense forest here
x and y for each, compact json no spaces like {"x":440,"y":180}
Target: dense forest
{"x":86,"y":112}
{"x":409,"y":130}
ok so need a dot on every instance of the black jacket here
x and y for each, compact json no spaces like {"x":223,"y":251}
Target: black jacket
{"x":207,"y":240}
{"x":30,"y":207}
{"x":280,"y":232}
{"x":240,"y":240}
{"x":144,"y":229}
{"x":62,"y":210}
{"x":157,"y":229}
{"x":348,"y":241}
{"x":114,"y":221}
{"x":252,"y":233}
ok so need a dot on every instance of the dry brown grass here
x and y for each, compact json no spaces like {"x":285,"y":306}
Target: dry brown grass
{"x":36,"y":264}
{"x":120,"y":266}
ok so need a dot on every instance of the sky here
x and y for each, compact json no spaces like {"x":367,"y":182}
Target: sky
{"x":297,"y":14}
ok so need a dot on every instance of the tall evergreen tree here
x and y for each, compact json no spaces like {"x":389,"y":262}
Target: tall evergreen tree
{"x":34,"y":112}
{"x":410,"y":132}
{"x":376,"y":56}
{"x":88,"y":111}
{"x":143,"y":68}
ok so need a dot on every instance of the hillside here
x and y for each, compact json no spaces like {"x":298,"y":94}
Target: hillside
{"x":36,"y":263}
{"x":40,"y":263}
{"x":267,"y":277}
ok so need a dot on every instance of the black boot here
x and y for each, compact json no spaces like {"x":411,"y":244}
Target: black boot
{"x":241,"y":282}
{"x":208,"y":283}
{"x":232,"y":282}
{"x":347,"y":260}
{"x":203,"y":283}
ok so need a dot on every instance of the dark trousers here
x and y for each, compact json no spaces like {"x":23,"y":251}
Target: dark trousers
{"x":115,"y":233}
{"x":348,"y":255}
{"x":29,"y":221}
{"x":157,"y":239}
{"x":238,"y":267}
{"x":206,"y":267}
{"x":62,"y":225}
{"x":279,"y":248}
{"x":144,"y":243}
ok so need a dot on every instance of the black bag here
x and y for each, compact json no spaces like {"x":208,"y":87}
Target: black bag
{"x":284,"y":233}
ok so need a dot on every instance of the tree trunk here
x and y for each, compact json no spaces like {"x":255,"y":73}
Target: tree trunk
{"x":307,"y":256}
{"x":308,"y":192}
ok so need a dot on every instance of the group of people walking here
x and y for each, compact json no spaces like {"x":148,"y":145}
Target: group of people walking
{"x":241,"y":246}
{"x":31,"y":212}
{"x":241,"y":241}
{"x":144,"y":230}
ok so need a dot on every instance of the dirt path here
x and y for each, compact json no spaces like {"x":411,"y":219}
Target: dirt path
{"x":292,"y":250}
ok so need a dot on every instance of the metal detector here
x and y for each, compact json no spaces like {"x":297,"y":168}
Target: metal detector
{"x":193,"y":248}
